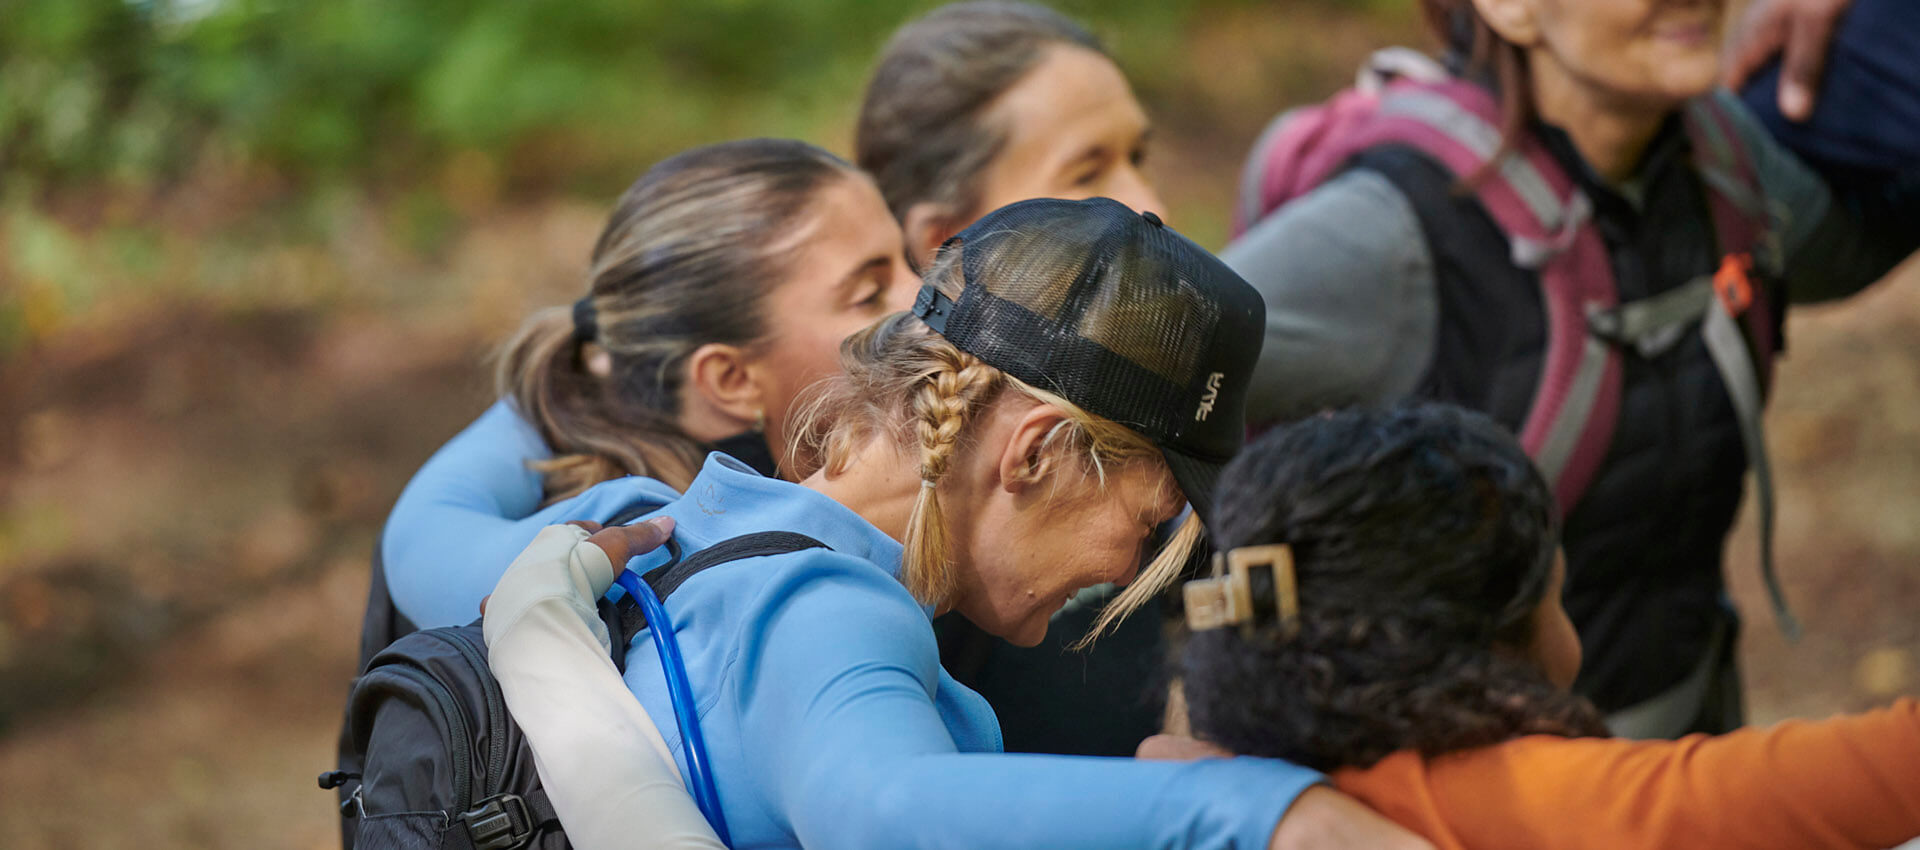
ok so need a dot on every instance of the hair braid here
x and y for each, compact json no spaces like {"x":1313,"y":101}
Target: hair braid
{"x":956,"y":385}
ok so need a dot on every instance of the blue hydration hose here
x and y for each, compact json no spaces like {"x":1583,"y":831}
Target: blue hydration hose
{"x":685,"y":712}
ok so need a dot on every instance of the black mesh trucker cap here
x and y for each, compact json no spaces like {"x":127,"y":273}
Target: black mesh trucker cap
{"x":1117,"y":313}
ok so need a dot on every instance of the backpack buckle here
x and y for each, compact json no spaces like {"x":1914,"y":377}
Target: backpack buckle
{"x":499,"y":823}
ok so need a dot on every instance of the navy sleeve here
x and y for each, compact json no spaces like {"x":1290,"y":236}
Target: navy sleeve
{"x":1865,"y":127}
{"x":1832,"y":243}
{"x":1862,"y":144}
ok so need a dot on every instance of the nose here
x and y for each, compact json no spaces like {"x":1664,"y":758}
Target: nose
{"x":1130,"y":187}
{"x":906,"y":286}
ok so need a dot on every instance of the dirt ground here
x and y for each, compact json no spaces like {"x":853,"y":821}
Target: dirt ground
{"x":189,"y":487}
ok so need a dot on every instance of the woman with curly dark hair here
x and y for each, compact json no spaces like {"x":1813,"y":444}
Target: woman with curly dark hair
{"x":1392,"y":617}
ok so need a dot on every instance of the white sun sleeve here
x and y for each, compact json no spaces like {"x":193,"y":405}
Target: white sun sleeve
{"x":605,"y":767}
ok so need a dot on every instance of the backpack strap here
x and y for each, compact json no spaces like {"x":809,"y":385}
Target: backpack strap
{"x":1549,"y":224}
{"x":1742,"y":351}
{"x":1743,"y":222}
{"x":627,"y":618}
{"x":1304,"y":146}
{"x":659,"y":583}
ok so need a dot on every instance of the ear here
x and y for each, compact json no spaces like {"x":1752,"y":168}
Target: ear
{"x":926,"y":226}
{"x":1024,"y":461}
{"x":1516,"y":21}
{"x":721,"y":378}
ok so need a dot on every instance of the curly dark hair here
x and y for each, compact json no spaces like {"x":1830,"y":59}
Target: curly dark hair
{"x":1423,"y":540}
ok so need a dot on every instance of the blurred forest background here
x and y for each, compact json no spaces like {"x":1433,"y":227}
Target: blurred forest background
{"x":253,"y":253}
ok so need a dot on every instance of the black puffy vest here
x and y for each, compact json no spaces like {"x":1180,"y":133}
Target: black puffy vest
{"x":1645,"y":542}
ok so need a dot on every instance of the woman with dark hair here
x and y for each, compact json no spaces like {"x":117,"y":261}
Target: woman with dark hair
{"x":1568,"y":230}
{"x":970,"y":107}
{"x":1402,"y":630}
{"x":976,"y":105}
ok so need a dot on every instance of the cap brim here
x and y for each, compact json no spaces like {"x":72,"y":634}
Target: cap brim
{"x":1197,"y":479}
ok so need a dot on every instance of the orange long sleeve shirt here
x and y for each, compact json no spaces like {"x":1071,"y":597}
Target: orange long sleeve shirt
{"x":1847,"y":782}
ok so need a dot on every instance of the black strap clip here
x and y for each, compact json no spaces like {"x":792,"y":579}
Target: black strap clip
{"x":933,"y":307}
{"x":499,"y":823}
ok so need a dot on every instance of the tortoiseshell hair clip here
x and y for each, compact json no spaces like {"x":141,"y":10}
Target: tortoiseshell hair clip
{"x":1227,"y":598}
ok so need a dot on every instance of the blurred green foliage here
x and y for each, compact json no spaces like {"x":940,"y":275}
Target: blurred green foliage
{"x":139,"y":89}
{"x":170,"y":148}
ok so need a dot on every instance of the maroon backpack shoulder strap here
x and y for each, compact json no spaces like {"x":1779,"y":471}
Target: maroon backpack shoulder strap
{"x":1741,"y":221}
{"x":1308,"y":145}
{"x":1548,"y":223}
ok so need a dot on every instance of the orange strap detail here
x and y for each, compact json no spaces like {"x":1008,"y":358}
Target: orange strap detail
{"x":1732,"y":283}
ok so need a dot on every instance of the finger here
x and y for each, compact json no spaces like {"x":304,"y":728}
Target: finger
{"x":587,"y":524}
{"x":483,"y":604}
{"x":1806,"y":58}
{"x":623,"y":542}
{"x":1758,"y":38}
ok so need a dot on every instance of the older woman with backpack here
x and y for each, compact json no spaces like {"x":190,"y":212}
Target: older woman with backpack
{"x":1071,"y":376}
{"x":1568,"y":229}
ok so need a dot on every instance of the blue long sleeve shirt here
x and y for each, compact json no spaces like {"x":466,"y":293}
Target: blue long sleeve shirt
{"x":472,"y":507}
{"x":830,"y":723}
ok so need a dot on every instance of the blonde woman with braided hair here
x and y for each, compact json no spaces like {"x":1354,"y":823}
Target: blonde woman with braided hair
{"x":971,"y":106}
{"x":1074,"y":375}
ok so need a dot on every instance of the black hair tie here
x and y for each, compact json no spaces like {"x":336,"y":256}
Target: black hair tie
{"x":585,"y":320}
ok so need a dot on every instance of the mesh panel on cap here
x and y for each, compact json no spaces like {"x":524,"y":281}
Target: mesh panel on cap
{"x":1115,"y":325}
{"x":1155,"y":317}
{"x":1118,"y":314}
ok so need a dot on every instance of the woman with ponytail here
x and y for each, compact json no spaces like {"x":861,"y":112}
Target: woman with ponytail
{"x":1404,"y":633}
{"x":1568,"y":229}
{"x":721,"y":287}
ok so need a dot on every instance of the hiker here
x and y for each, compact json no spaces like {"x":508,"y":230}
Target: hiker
{"x":972,"y":458}
{"x":1566,"y":228}
{"x":1403,"y":631}
{"x":970,"y":107}
{"x":975,"y":105}
{"x":721,"y":287}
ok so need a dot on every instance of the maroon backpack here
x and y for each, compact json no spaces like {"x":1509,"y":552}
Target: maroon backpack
{"x":1404,"y":98}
